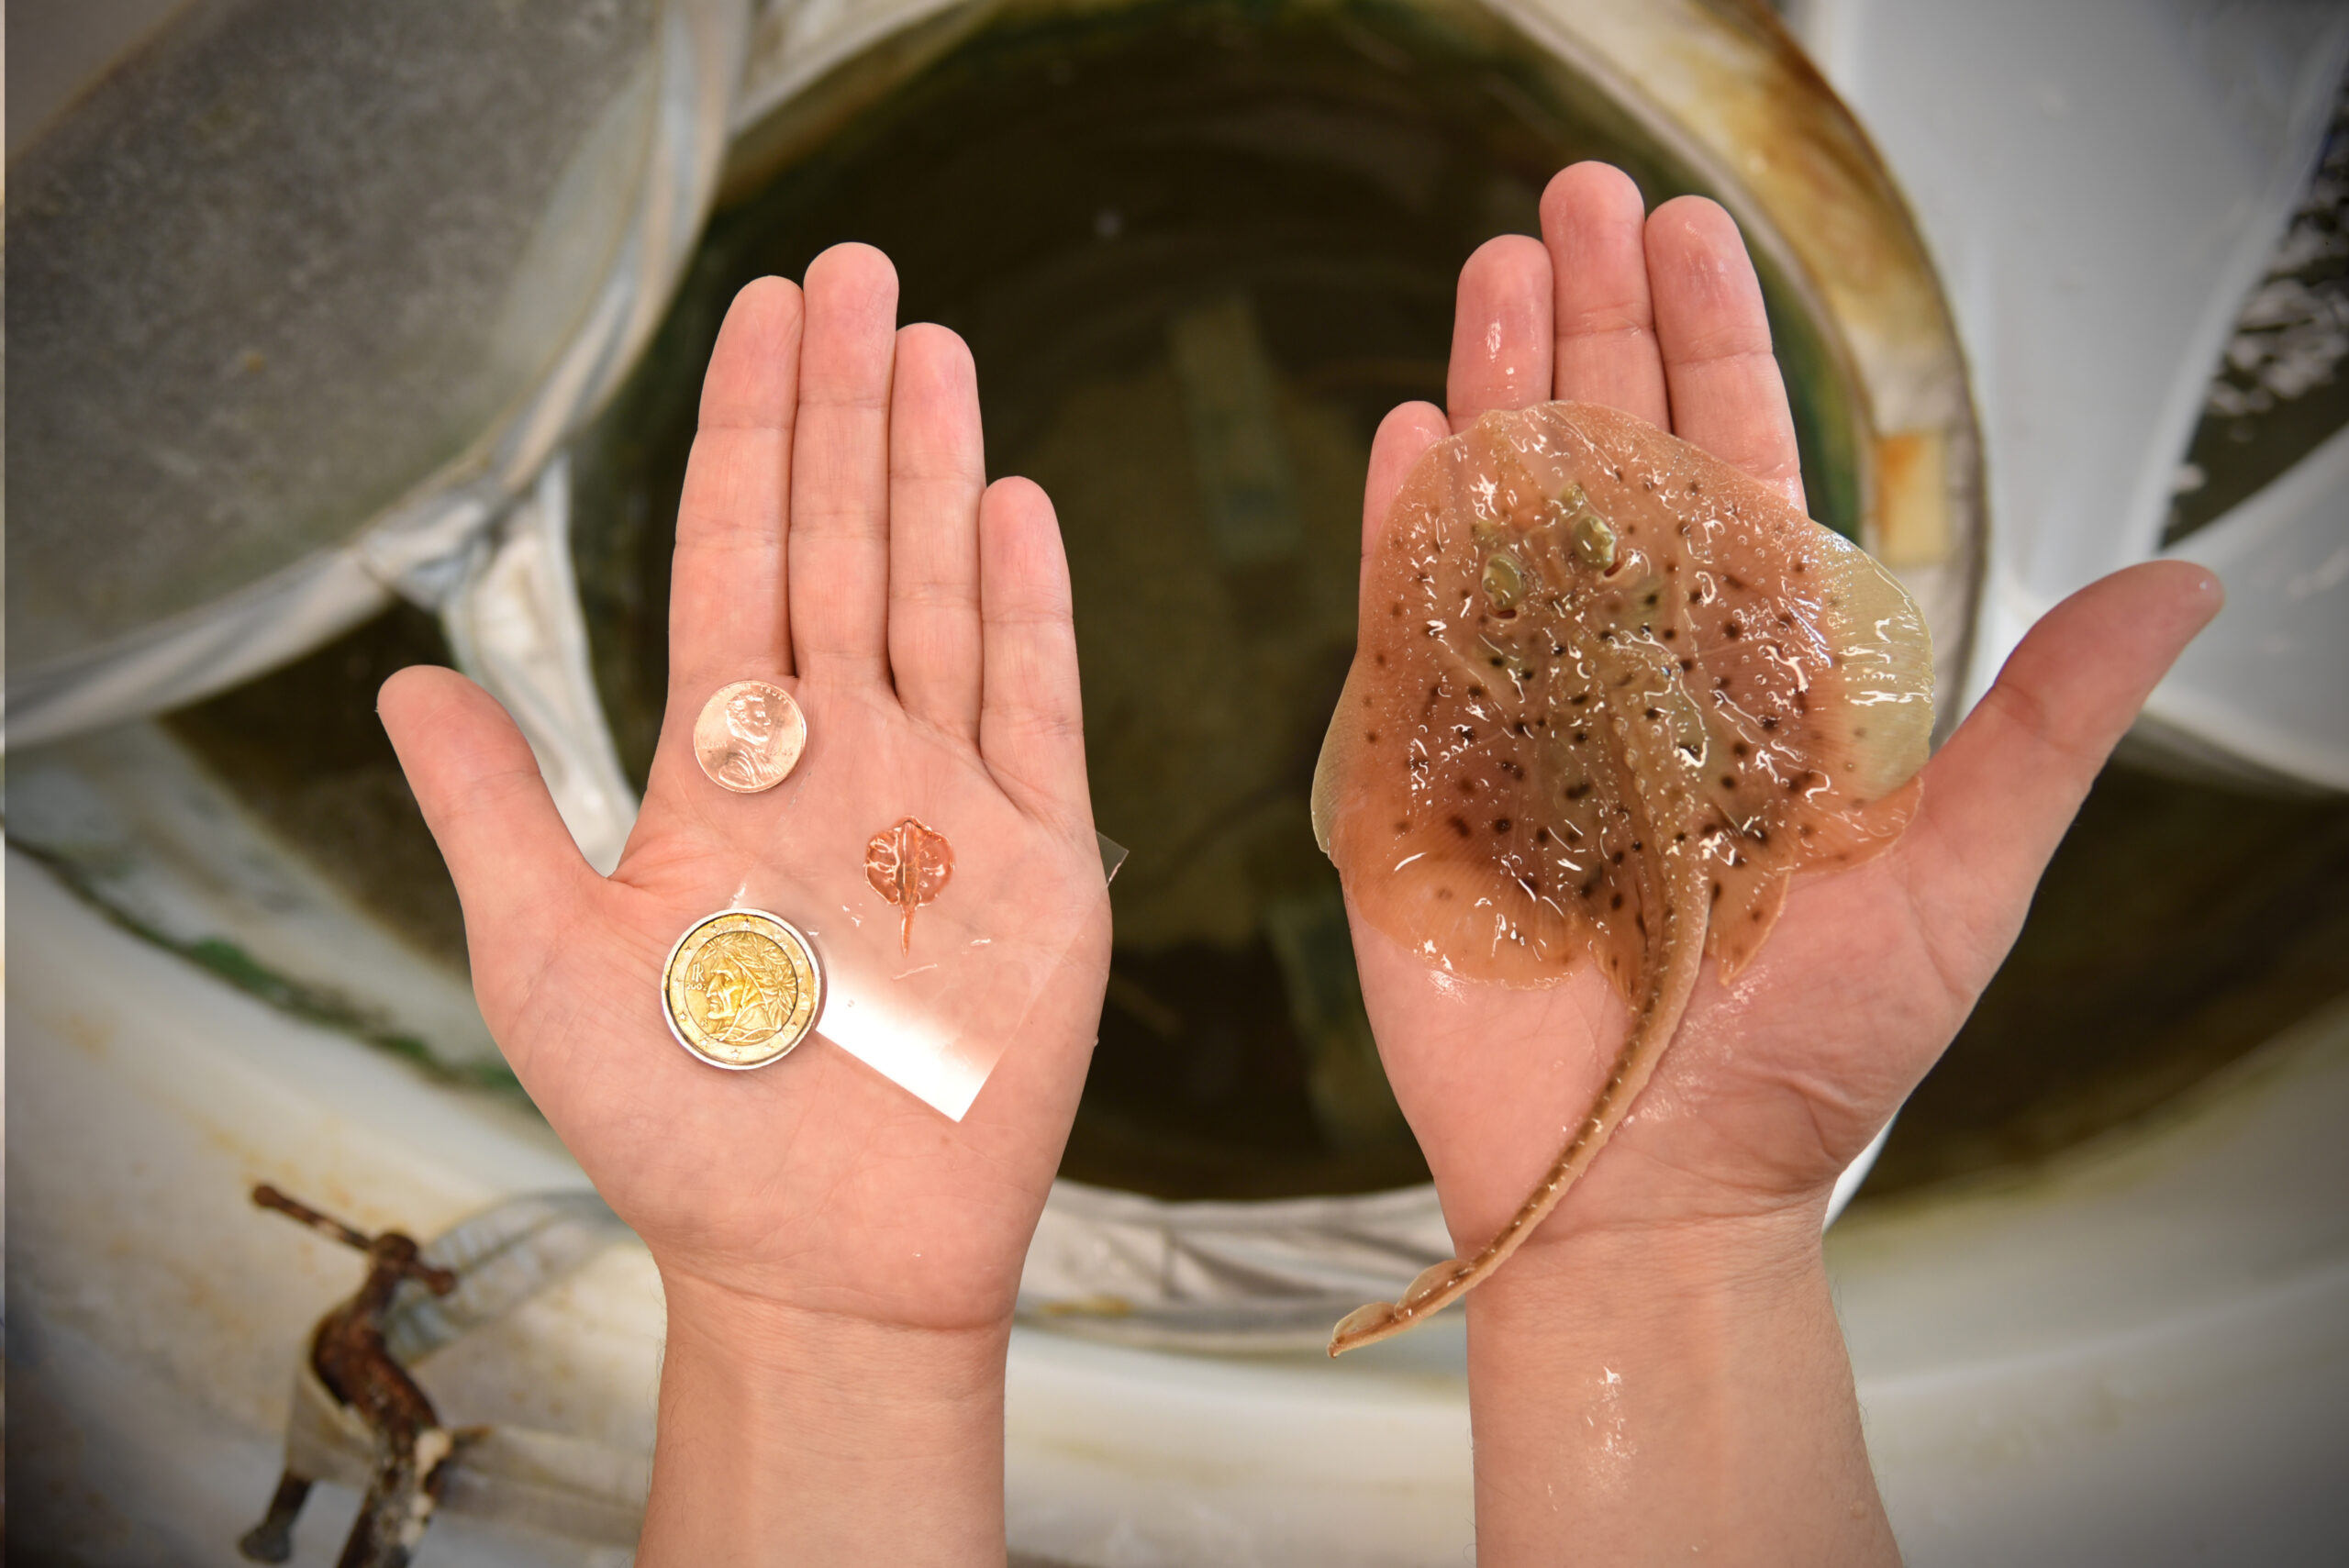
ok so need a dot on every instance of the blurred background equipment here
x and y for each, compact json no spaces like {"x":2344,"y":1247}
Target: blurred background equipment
{"x":347,"y":337}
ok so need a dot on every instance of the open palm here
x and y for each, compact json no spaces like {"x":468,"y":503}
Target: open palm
{"x":1778,"y":1079}
{"x":837,"y":538}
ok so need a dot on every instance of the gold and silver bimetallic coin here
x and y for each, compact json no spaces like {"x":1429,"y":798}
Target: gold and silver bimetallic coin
{"x":750,"y":736}
{"x":742,"y":988}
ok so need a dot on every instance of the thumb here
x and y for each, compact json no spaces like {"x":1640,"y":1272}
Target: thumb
{"x":517,"y":870}
{"x":2004,"y":790}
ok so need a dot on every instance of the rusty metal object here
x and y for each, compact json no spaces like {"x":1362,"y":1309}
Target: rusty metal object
{"x":271,"y":1540}
{"x":348,"y":1354}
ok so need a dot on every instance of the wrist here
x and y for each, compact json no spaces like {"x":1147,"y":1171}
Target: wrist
{"x":1663,"y":1278}
{"x":793,"y":1378}
{"x":1632,"y":1201}
{"x":1650,"y":1391}
{"x":770,"y":1331}
{"x":788,"y":1433}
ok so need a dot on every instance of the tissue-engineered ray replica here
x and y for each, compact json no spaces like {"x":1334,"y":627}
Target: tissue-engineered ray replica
{"x":1609,"y":694}
{"x":909,"y":864}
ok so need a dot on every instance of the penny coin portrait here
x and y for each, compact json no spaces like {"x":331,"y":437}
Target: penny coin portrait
{"x":742,"y":987}
{"x":750,"y":736}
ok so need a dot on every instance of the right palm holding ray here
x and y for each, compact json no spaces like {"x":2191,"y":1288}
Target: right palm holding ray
{"x":1611,"y":694}
{"x":1785,"y":1061}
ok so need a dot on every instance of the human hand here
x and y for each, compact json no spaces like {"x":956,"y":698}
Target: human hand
{"x":835,"y":537}
{"x":1658,"y":1370}
{"x":1776,"y":1082}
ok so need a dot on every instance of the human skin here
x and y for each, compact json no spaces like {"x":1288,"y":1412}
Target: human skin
{"x":1661,"y":1368}
{"x":1658,"y":1374}
{"x":840,"y":1261}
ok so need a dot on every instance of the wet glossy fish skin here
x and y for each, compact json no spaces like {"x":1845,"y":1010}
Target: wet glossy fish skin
{"x":1609,"y":694}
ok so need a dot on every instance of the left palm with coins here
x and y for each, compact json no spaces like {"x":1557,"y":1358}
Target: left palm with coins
{"x":841,"y":1260}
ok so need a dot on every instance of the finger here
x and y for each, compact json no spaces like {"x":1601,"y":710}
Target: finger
{"x":2002,"y":791}
{"x":518,"y":872}
{"x":1723,"y":382}
{"x":726,"y":614}
{"x":1500,"y":330}
{"x":1604,"y":351}
{"x":838,"y":536}
{"x":1403,"y":438}
{"x":1031,"y":721}
{"x":937,"y":470}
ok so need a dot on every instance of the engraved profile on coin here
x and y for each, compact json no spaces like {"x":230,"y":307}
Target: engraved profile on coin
{"x":750,"y":736}
{"x":742,"y":988}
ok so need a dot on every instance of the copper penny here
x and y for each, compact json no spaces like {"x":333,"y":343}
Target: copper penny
{"x":750,"y":736}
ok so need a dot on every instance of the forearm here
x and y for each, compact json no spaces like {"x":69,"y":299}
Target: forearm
{"x":799,"y":1438}
{"x":1637,"y":1399}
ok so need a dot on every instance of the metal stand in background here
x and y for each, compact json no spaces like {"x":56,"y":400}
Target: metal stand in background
{"x":358,"y":1419}
{"x":351,"y":1357}
{"x":513,"y":621}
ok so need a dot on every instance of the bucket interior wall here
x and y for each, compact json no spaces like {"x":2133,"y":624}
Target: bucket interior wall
{"x":425,"y":256}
